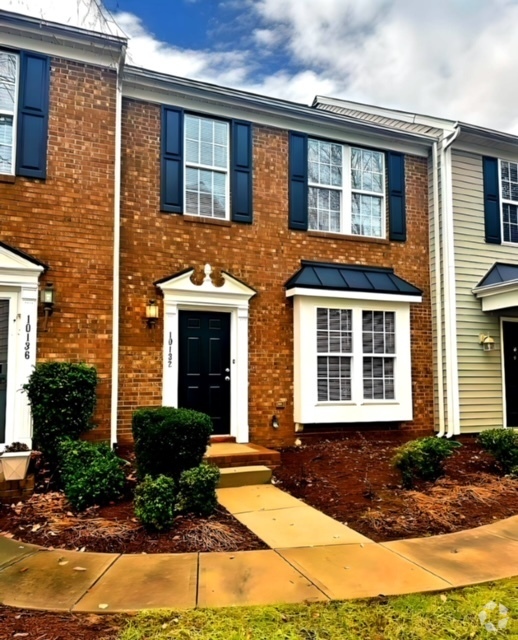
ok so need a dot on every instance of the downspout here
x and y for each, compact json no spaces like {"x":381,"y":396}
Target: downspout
{"x":438,"y":288}
{"x":116,"y":252}
{"x":450,"y":319}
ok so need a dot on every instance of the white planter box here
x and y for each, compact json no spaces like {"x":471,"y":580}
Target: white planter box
{"x":15,"y":465}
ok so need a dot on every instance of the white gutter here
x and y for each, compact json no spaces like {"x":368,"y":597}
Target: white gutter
{"x":438,"y":289}
{"x":116,"y":253}
{"x":450,"y":317}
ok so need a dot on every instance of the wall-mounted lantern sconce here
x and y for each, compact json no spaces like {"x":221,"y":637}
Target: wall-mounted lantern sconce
{"x":47,"y":295}
{"x":487,"y":342}
{"x":152,"y":313}
{"x":275,"y":422}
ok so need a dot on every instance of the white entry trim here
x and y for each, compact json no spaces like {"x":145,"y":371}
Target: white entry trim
{"x":19,"y":284}
{"x":502,"y":364}
{"x":232,"y":297}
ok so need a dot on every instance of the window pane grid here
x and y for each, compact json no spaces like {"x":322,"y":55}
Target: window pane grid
{"x":206,"y":175}
{"x":334,"y":337}
{"x":509,"y":190}
{"x":8,"y":81}
{"x":379,"y":338}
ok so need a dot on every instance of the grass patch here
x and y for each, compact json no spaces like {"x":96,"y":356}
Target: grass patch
{"x":452,"y":614}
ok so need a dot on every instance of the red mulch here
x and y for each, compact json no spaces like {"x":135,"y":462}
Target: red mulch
{"x":351,"y":479}
{"x":41,"y":625}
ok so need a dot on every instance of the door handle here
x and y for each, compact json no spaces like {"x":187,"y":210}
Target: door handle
{"x":227,"y":370}
{"x":227,"y":378}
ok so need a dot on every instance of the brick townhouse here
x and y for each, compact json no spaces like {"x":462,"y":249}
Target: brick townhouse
{"x":283,"y":248}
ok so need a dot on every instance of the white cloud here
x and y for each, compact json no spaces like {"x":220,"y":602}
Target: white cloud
{"x":451,"y":58}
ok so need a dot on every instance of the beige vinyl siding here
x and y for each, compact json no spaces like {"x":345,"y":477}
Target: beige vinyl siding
{"x":480,"y":372}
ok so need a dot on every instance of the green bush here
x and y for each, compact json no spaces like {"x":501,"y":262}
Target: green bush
{"x":155,"y":502}
{"x":423,"y":458}
{"x":169,"y":441}
{"x":90,"y":473}
{"x":62,"y":399}
{"x":502,"y":444}
{"x":197,"y":490}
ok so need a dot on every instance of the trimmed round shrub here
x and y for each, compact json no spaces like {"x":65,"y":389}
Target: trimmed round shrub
{"x":423,"y":458}
{"x":90,"y":473}
{"x":155,"y":502}
{"x":502,"y":444}
{"x":197,"y":490}
{"x":169,"y":441}
{"x":62,"y":397}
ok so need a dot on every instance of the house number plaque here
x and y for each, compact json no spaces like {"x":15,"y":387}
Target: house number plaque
{"x":170,"y":351}
{"x":27,"y":346}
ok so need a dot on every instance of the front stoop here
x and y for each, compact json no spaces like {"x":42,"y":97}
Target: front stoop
{"x":244,"y":476}
{"x":231,"y":454}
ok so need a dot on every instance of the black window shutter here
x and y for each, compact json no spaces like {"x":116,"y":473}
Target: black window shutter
{"x":171,"y":188}
{"x":33,"y":115}
{"x":396,"y":195}
{"x":491,"y":200}
{"x":298,"y":187}
{"x":241,"y":177}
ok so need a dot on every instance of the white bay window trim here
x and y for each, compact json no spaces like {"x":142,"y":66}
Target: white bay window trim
{"x":307,"y":408}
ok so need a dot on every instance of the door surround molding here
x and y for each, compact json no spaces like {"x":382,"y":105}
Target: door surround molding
{"x":233,"y":296}
{"x":503,"y":319}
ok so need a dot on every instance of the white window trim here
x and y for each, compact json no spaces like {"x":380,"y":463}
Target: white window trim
{"x":307,"y":408}
{"x":347,"y":191}
{"x":504,"y":201}
{"x":233,"y":297}
{"x":202,"y":167}
{"x":14,"y":114}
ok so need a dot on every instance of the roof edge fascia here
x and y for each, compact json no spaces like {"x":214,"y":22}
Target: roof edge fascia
{"x":195,"y":89}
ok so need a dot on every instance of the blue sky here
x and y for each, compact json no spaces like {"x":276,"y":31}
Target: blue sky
{"x":447,"y":58}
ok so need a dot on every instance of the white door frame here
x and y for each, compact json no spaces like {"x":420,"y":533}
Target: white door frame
{"x":19,"y":284}
{"x":181,"y":294}
{"x":502,"y":364}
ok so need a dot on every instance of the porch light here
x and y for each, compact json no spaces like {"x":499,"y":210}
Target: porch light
{"x":275,"y":422}
{"x":47,"y":299}
{"x":152,"y":313}
{"x":487,"y":342}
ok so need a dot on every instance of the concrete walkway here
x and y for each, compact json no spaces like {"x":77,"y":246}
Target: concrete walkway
{"x":312,"y":557}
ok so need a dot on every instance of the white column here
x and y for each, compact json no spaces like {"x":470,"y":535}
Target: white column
{"x":25,"y":360}
{"x":170,"y":381}
{"x":241,"y":373}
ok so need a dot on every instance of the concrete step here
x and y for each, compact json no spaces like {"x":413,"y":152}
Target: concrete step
{"x":232,"y":454}
{"x":244,"y":476}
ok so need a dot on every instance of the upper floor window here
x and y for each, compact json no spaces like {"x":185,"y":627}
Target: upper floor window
{"x":206,"y":167}
{"x":346,"y":189}
{"x":509,"y":191}
{"x":9,"y":63}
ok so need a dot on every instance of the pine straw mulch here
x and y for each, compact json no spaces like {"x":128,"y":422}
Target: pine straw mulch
{"x":46,"y":519}
{"x":351,"y":479}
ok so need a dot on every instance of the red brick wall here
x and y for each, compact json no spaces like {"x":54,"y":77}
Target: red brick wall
{"x":67,"y":221}
{"x":263,"y":255}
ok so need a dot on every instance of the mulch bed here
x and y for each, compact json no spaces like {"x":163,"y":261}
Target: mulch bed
{"x":42,"y":625}
{"x":352,"y":480}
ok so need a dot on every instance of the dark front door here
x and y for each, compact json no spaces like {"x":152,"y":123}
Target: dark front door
{"x":204,"y":365}
{"x":511,"y":372}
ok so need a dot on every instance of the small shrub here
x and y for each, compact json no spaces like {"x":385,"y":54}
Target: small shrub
{"x":155,"y":502}
{"x":197,"y":490}
{"x":62,"y":399}
{"x":423,"y":458}
{"x":90,"y":473}
{"x":169,"y":441}
{"x":502,"y":444}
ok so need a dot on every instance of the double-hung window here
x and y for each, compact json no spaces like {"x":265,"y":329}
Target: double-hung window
{"x":509,"y":194}
{"x":206,"y":167}
{"x":334,"y":347}
{"x":9,"y":65}
{"x":379,"y":350}
{"x":346,"y":189}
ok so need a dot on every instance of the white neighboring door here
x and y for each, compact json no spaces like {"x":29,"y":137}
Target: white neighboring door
{"x":18,"y":329}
